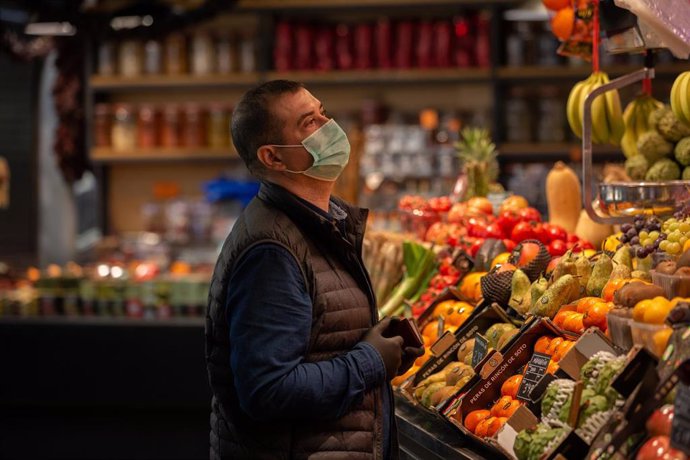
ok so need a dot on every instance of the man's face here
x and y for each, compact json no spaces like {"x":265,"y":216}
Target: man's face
{"x":301,"y":114}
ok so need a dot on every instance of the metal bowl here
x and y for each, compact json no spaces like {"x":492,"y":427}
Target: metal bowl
{"x":627,"y":199}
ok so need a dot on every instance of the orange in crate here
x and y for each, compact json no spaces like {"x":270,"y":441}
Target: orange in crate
{"x":596,"y":315}
{"x":470,"y":286}
{"x":611,"y":287}
{"x":574,"y":323}
{"x":475,"y":417}
{"x":542,"y":344}
{"x":510,"y":387}
{"x":586,"y":302}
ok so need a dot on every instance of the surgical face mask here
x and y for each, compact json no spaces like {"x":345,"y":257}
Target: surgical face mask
{"x":330,"y":149}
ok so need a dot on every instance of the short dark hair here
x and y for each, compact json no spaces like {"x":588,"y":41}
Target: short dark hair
{"x":254,"y":124}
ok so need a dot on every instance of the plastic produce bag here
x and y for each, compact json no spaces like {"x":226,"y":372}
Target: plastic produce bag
{"x":663,"y":23}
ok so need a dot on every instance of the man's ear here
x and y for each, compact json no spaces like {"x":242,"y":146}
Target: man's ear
{"x":270,"y":158}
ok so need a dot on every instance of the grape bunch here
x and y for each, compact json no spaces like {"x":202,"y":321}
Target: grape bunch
{"x":644,"y":236}
{"x":678,"y":233}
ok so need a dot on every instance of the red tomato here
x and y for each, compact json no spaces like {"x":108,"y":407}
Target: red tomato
{"x":529,"y":215}
{"x":495,"y":231}
{"x":477,"y":227}
{"x":556,"y":232}
{"x":586,"y":245}
{"x":507,"y":220}
{"x":522,"y":231}
{"x":474,"y":249}
{"x":540,"y":233}
{"x":509,"y":244}
{"x":572,"y":238}
{"x":557,"y":248}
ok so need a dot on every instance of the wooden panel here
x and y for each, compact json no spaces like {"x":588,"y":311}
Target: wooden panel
{"x":131,"y":185}
{"x":385,"y":76}
{"x":189,"y":155}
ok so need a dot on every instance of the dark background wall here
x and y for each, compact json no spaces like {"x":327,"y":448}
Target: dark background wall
{"x":18,"y":83}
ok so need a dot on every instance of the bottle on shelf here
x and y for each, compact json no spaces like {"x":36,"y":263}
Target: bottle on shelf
{"x":124,"y":129}
{"x":147,"y":127}
{"x":153,"y":57}
{"x":102,"y":125}
{"x":202,"y":54}
{"x":175,"y":54}
{"x":130,"y":58}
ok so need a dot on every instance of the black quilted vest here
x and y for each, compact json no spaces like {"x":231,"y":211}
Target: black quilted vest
{"x":343,"y":309}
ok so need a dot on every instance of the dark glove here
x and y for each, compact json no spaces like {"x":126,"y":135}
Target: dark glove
{"x":390,"y":349}
{"x":410,"y":355}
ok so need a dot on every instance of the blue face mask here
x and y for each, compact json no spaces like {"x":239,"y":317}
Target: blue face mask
{"x":330,"y":149}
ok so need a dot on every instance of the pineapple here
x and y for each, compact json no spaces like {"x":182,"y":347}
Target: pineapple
{"x":478,"y":155}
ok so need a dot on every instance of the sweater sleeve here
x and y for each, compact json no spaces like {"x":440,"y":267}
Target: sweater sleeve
{"x":269,"y":314}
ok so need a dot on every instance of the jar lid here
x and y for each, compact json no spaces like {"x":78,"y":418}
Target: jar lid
{"x":101,"y":108}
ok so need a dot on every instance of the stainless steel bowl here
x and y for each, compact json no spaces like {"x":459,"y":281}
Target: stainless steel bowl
{"x":627,"y":199}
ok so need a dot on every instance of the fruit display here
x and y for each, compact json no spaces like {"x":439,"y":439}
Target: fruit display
{"x":680,"y":97}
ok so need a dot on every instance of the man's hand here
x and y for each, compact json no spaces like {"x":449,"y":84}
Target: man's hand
{"x":410,"y":354}
{"x":390,"y":349}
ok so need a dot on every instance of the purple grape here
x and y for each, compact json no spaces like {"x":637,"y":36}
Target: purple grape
{"x":663,"y":236}
{"x":623,"y":239}
{"x":641,"y":253}
{"x":625,"y":228}
{"x":635,"y":240}
{"x":649,"y":248}
{"x":631,"y":233}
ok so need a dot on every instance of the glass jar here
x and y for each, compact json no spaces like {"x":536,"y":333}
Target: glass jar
{"x":170,"y":126}
{"x":226,"y":55}
{"x":153,"y":58}
{"x":218,"y":126}
{"x":130,"y":61}
{"x":147,"y":127}
{"x":247,"y":55}
{"x":192,"y":126}
{"x":175,"y":54}
{"x":519,"y":120}
{"x":202,"y":54}
{"x":106,"y":58}
{"x":123,"y":133}
{"x":102,"y":125}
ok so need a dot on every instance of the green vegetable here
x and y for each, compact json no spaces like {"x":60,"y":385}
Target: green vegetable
{"x":664,"y":169}
{"x":558,"y":395}
{"x":682,"y":151}
{"x":653,"y":146}
{"x":671,"y":128}
{"x":522,"y":443}
{"x":591,"y":406}
{"x":591,"y":369}
{"x":636,"y":167}
{"x":656,"y":115}
{"x":419,"y":261}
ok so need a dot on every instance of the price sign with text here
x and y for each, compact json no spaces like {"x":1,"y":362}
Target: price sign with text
{"x":536,"y":368}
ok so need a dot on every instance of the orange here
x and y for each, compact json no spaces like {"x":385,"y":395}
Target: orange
{"x":458,"y":314}
{"x":640,"y":308}
{"x":551,"y":349}
{"x":431,"y":331}
{"x":584,"y":303}
{"x":443,"y":308}
{"x":569,"y":307}
{"x":563,"y":22}
{"x":498,"y":406}
{"x":470,"y":286}
{"x":562,"y":350}
{"x":686,"y":246}
{"x":611,"y":287}
{"x":495,"y":425}
{"x":556,"y":5}
{"x":542,"y":344}
{"x":574,"y":323}
{"x":483,"y":427}
{"x":397,"y":381}
{"x":473,"y":418}
{"x":514,"y":203}
{"x":657,"y":311}
{"x":500,"y":259}
{"x":510,"y":387}
{"x":661,"y":340}
{"x":552,"y":368}
{"x":507,"y":409}
{"x":596,"y":316}
{"x":562,"y":316}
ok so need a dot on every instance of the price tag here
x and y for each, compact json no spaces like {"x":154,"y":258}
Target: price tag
{"x":463,"y":262}
{"x":680,"y":433}
{"x":536,"y":368}
{"x":481,"y":348}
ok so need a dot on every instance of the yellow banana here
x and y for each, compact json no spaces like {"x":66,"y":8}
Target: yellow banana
{"x":613,"y":115}
{"x":573,"y":106}
{"x":600,"y":127}
{"x":684,"y":95}
{"x":629,"y":139}
{"x":676,"y":100}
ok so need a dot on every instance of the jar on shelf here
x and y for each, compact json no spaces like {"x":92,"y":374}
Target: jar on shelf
{"x":218,"y":126}
{"x":193,"y":134}
{"x":102,"y":125}
{"x":247,"y":54}
{"x":519,"y":120}
{"x":175,"y":54}
{"x":106,"y":59}
{"x":170,"y":126}
{"x":147,"y":126}
{"x":226,"y":54}
{"x":130,"y":60}
{"x":153,"y":57}
{"x":551,"y":122}
{"x":202,"y":54}
{"x":124,"y":129}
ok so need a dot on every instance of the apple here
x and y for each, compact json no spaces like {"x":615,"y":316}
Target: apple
{"x":659,"y":423}
{"x":659,"y":447}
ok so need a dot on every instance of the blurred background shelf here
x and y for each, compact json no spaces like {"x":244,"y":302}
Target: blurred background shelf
{"x":553,"y":151}
{"x":187,"y":154}
{"x":384,"y":76}
{"x":116,"y":83}
{"x":537,"y":72}
{"x":322,"y":4}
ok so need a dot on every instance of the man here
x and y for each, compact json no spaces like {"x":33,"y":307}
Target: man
{"x":298,"y":366}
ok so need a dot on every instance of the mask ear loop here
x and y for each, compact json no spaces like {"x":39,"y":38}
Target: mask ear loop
{"x":291,"y":146}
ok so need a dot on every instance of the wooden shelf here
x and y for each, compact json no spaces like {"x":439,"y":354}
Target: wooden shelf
{"x":330,"y":4}
{"x":556,"y":151}
{"x":385,"y":76}
{"x":103,"y":83}
{"x":580,"y":72}
{"x":107,"y":155}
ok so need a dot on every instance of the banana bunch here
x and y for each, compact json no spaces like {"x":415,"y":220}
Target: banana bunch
{"x":680,"y":97}
{"x":607,"y":120}
{"x":636,"y":119}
